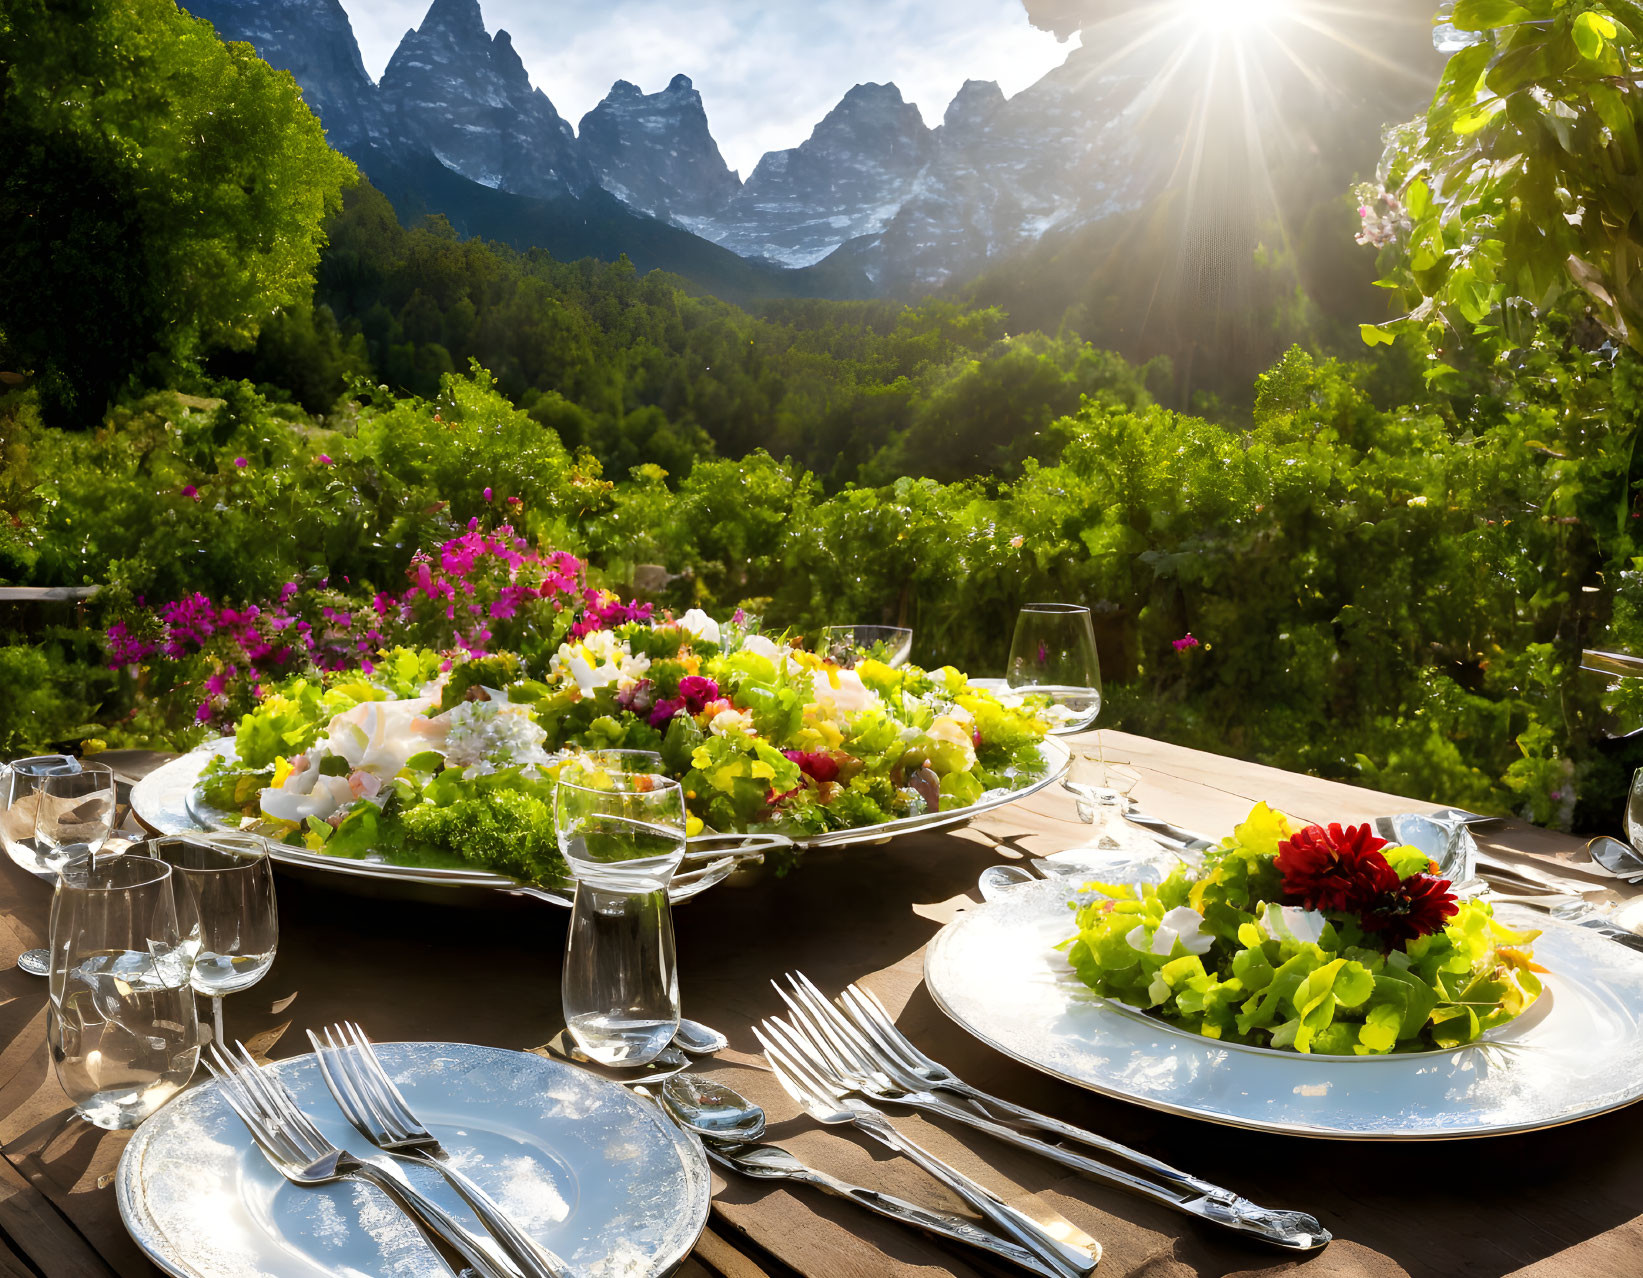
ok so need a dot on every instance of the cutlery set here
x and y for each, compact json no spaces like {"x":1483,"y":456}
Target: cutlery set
{"x":840,"y":1060}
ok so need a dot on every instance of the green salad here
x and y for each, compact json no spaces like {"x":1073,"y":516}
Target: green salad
{"x":1312,"y":939}
{"x":429,"y":758}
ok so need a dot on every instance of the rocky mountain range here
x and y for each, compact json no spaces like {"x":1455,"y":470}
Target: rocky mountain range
{"x":892,"y":205}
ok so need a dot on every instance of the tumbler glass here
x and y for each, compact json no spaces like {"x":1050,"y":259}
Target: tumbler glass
{"x":623,"y":836}
{"x":17,"y":806}
{"x":120,"y":1023}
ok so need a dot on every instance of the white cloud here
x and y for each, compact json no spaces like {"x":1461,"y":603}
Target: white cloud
{"x":767,"y":72}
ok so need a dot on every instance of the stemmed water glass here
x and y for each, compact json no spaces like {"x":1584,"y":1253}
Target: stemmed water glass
{"x":847,"y":645}
{"x":1053,"y":655}
{"x":120,"y":1023}
{"x":224,"y":889}
{"x":73,"y":817}
{"x":622,"y":836}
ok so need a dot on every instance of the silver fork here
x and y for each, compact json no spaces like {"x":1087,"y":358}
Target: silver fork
{"x":897,"y":1056}
{"x":369,"y":1100}
{"x":837,"y":1049}
{"x":827,"y":1105}
{"x":301,"y":1153}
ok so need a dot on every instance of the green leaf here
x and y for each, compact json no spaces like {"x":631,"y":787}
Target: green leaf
{"x":1374,"y":335}
{"x":1485,"y":15}
{"x":1591,"y":30}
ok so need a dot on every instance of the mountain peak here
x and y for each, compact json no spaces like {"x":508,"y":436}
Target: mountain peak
{"x":460,"y":18}
{"x":878,"y":96}
{"x":655,"y":152}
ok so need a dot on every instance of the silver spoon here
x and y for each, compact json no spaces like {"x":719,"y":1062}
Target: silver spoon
{"x":1618,"y":858}
{"x":729,"y":1124}
{"x":712,"y":1110}
{"x":699,"y":1039}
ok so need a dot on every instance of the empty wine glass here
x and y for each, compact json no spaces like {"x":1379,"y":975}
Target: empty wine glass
{"x":1053,"y":655}
{"x":623,"y":836}
{"x":847,"y":645}
{"x":73,"y":817}
{"x":120,"y":1022}
{"x":224,"y":889}
{"x":17,"y":807}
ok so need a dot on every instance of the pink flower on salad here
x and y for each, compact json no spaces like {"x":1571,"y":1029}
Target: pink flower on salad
{"x":815,"y":764}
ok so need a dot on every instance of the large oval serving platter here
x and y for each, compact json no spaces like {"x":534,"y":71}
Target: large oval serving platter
{"x":597,"y":1175}
{"x":165,"y":802}
{"x":995,"y":971}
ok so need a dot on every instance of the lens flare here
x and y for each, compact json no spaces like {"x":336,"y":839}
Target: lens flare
{"x":1231,"y":16}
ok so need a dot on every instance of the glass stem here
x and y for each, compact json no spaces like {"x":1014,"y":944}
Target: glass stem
{"x":216,"y":1021}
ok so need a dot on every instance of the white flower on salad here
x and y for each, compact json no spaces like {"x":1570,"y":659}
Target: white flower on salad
{"x":761,"y":646}
{"x":1183,"y":924}
{"x":373,"y":738}
{"x":843,"y":690}
{"x":599,"y":660}
{"x":488,"y":736}
{"x":731,"y":723}
{"x":1292,"y":923}
{"x":948,"y":731}
{"x":698,"y":623}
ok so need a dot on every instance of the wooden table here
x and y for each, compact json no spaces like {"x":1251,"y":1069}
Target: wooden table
{"x":1562,"y":1202}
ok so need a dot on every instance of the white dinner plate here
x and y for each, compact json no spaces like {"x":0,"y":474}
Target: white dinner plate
{"x":597,"y":1175}
{"x":994,"y":970}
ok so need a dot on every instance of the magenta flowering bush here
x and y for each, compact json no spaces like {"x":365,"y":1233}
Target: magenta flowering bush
{"x":479,"y":592}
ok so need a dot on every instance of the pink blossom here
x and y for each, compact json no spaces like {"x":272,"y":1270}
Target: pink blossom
{"x":324,"y":459}
{"x":191,"y":492}
{"x":1184,"y":642}
{"x":487,"y":494}
{"x":241,"y":463}
{"x":203,"y":714}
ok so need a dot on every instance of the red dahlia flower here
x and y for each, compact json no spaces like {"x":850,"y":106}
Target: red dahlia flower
{"x":1322,"y":867}
{"x":1407,"y":908}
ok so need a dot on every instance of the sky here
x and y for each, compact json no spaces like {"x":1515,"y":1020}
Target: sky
{"x":767,"y":72}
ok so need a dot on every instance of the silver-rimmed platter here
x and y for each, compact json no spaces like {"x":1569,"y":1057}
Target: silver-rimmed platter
{"x":165,"y":801}
{"x":595,"y":1174}
{"x":995,"y":971}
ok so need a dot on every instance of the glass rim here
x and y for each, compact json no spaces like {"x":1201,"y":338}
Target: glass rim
{"x":664,"y":783}
{"x":159,"y":872}
{"x":211,"y":842}
{"x":867,"y":625}
{"x":88,"y":767}
{"x":59,"y":759}
{"x":572,"y":755}
{"x":1055,"y":609}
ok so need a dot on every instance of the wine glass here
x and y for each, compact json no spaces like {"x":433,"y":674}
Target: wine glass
{"x":224,"y":888}
{"x":622,"y":836}
{"x":120,"y":1022}
{"x":73,"y":817}
{"x":847,"y":645}
{"x":1053,"y":655}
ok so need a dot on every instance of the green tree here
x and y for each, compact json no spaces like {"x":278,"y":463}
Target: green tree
{"x":160,"y":193}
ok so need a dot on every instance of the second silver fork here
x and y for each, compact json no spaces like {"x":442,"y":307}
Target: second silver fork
{"x":827,"y":1105}
{"x":370,"y":1101}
